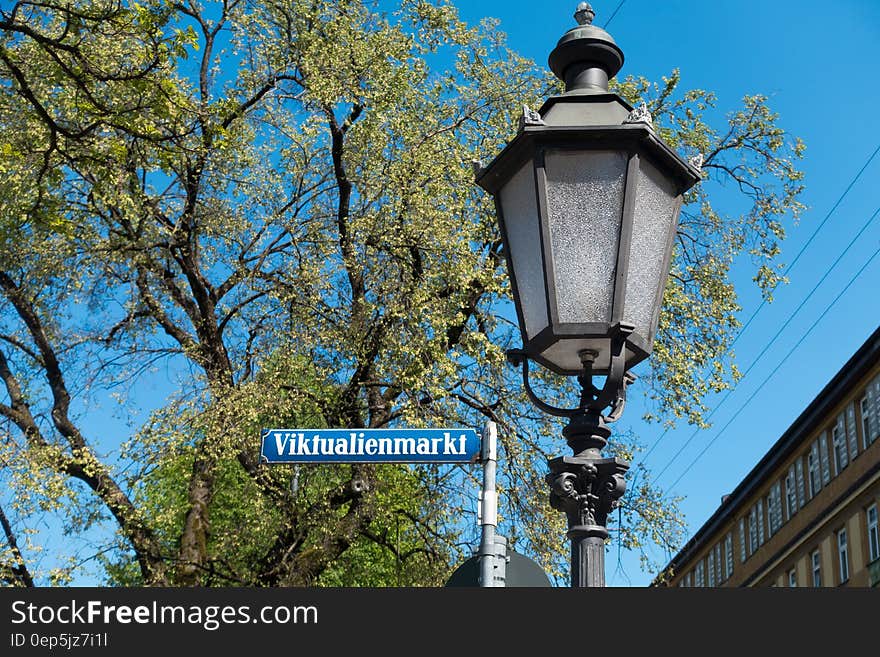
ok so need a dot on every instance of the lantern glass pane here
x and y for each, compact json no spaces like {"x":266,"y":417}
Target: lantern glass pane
{"x":519,"y":207}
{"x":654,"y":219}
{"x":584,"y":203}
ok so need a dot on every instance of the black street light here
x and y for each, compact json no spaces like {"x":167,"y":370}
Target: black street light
{"x":587,"y":197}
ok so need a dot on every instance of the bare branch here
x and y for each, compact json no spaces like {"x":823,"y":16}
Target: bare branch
{"x":17,"y":574}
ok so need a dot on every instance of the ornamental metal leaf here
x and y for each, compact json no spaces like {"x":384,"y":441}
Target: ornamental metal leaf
{"x":530,"y":117}
{"x":640,"y":115}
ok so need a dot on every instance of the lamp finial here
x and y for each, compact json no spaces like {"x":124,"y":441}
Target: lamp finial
{"x":584,"y":14}
{"x":586,"y":55}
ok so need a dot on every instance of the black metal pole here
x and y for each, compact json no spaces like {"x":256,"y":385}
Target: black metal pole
{"x":586,"y":487}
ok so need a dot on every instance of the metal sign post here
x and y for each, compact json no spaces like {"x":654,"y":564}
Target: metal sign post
{"x":493,"y":548}
{"x":494,"y":565}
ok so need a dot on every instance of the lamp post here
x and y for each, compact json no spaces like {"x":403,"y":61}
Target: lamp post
{"x":587,"y":197}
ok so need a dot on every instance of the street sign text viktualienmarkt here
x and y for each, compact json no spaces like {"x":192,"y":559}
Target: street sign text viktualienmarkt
{"x":370,"y":445}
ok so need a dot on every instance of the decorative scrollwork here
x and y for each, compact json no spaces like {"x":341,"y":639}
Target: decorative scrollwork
{"x":563,"y":486}
{"x":586,"y":490}
{"x":619,"y":402}
{"x":593,"y":399}
{"x":612,"y":489}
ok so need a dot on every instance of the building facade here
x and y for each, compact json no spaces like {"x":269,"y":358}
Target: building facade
{"x":807,"y":513}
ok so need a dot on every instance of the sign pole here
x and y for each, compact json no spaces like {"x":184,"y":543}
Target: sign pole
{"x":494,"y":565}
{"x":493,"y":548}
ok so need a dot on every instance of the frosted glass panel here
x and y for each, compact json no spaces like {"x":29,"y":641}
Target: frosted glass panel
{"x":584,"y":199}
{"x":655,"y":214}
{"x":520,"y":208}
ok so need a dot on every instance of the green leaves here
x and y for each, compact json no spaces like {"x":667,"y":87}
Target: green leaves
{"x":750,"y":191}
{"x":274,"y":202}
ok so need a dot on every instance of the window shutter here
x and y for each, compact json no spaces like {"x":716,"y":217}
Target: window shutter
{"x":777,"y":508}
{"x":839,"y":455}
{"x":728,"y":555}
{"x":760,"y":522}
{"x":777,"y":505}
{"x":869,"y":416}
{"x":839,"y":449}
{"x":753,"y":530}
{"x":792,"y":504}
{"x":814,"y":470}
{"x":851,"y":431}
{"x":799,"y":477}
{"x":823,"y":458}
{"x":875,"y":393}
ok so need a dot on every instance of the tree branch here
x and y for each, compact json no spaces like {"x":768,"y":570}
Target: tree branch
{"x":18,"y":574}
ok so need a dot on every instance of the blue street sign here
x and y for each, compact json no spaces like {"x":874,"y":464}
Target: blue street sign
{"x":370,"y":446}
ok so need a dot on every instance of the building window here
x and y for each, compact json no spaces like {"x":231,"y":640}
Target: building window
{"x":838,"y":443}
{"x":817,"y":569}
{"x":698,"y":574}
{"x":791,"y":503}
{"x":728,"y":551}
{"x":841,"y":552}
{"x":873,"y":534}
{"x":719,"y":564}
{"x":813,"y":469}
{"x":792,"y":578}
{"x":742,"y":540}
{"x":869,"y":425}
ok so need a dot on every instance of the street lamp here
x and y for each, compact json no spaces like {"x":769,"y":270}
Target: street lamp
{"x":587,"y":197}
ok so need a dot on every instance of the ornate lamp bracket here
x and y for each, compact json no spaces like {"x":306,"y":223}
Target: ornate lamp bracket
{"x":593,"y":400}
{"x":586,"y":486}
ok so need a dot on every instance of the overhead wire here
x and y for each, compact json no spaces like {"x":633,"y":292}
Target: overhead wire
{"x":614,"y":13}
{"x":781,"y":363}
{"x":809,"y":241}
{"x":778,"y":333}
{"x":785,"y":272}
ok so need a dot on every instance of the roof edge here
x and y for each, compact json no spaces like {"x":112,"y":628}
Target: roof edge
{"x":831,"y":394}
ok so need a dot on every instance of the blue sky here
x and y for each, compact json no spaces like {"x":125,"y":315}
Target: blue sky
{"x":817,"y":63}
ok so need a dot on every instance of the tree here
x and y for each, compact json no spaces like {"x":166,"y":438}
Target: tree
{"x":275,"y":200}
